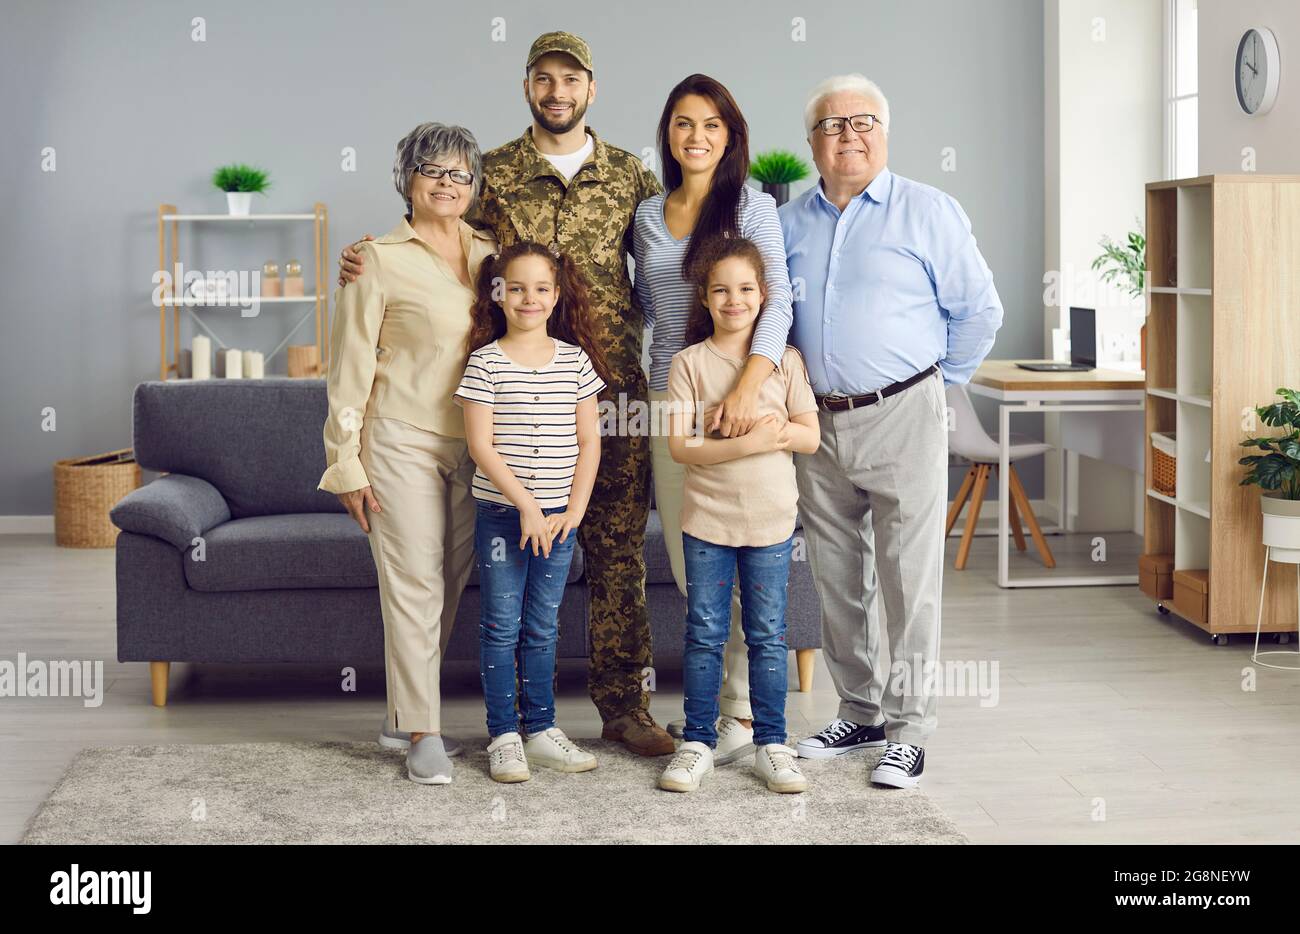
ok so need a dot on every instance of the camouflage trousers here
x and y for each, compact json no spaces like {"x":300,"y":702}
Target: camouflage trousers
{"x":612,"y":536}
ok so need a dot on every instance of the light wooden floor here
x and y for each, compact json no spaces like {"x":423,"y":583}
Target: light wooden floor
{"x":1104,"y":707}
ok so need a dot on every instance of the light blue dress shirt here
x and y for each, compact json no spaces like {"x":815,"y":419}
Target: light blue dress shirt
{"x":887,"y":287}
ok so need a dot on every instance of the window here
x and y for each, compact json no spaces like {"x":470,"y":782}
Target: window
{"x":1181,"y":101}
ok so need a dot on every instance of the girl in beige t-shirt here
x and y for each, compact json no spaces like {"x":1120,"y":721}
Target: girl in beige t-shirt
{"x":738,"y":512}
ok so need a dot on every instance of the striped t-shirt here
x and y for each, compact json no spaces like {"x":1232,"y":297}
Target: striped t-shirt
{"x":667,"y":299}
{"x":534,"y":417}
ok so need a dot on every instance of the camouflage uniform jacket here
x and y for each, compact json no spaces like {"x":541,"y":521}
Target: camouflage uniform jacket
{"x":524,"y":197}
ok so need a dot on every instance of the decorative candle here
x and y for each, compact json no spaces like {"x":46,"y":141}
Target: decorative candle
{"x":234,"y":364}
{"x":253,"y":364}
{"x":293,"y":278}
{"x":201,"y":357}
{"x":271,"y":280}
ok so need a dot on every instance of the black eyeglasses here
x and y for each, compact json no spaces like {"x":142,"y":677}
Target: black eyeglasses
{"x":432,"y":170}
{"x":834,"y":126}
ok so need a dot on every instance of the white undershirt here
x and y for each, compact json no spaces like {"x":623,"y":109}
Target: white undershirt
{"x":568,"y":163}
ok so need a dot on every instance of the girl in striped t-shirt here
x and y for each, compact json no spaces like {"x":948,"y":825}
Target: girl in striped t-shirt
{"x":529,"y":395}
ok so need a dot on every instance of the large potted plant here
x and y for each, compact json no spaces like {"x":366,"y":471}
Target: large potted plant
{"x":775,"y":170}
{"x":1277,"y":473}
{"x":240,"y":182}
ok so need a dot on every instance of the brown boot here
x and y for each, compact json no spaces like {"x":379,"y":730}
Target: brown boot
{"x":639,"y":732}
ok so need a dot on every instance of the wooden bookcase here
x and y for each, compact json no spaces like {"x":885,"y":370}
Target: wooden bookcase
{"x":1223,"y":332}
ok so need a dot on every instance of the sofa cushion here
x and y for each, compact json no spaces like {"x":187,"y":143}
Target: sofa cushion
{"x":175,"y":508}
{"x":289,"y":552}
{"x":258,"y":441}
{"x":294,"y":552}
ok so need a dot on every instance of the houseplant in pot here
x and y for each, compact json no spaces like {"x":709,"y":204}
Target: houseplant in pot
{"x":1277,"y":472}
{"x":1125,"y":266}
{"x":775,"y":170}
{"x":240,"y":182}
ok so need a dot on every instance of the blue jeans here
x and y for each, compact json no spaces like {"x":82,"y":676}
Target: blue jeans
{"x":764,"y":574}
{"x":520,"y":594}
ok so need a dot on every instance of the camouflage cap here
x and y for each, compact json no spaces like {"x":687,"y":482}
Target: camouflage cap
{"x":565,"y":42}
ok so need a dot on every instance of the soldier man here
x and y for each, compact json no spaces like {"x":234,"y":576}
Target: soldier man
{"x":560,"y":184}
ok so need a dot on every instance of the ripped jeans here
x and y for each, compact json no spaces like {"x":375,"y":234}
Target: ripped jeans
{"x":764,"y":576}
{"x":520,"y":594}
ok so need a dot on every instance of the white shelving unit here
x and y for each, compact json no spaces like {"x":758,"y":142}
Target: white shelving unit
{"x":170,"y":219}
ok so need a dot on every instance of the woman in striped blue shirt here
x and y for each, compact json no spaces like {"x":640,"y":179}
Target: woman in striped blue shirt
{"x":529,"y":395}
{"x":704,"y":149}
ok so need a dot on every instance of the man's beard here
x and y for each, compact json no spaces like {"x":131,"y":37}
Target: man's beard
{"x":545,"y":119}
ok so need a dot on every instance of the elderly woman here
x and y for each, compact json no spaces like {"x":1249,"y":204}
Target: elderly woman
{"x":394,"y":440}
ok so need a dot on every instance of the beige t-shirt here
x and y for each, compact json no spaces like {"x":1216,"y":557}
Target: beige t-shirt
{"x":749,"y":501}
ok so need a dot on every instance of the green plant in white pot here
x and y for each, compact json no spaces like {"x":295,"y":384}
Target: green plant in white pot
{"x":240,"y":182}
{"x":1277,"y":472}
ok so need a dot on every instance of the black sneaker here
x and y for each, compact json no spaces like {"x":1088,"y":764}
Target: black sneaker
{"x":839,"y":737}
{"x":900,"y":767}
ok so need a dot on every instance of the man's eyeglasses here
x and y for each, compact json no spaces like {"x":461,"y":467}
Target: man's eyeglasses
{"x":432,"y":170}
{"x":862,"y":123}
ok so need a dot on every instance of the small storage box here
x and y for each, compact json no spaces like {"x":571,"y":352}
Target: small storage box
{"x":1192,"y":595}
{"x":1155,"y":576}
{"x":1164,"y":462}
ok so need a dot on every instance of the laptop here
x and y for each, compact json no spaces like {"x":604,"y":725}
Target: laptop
{"x":1083,"y":345}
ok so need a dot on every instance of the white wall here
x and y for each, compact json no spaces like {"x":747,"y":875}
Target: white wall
{"x":1224,"y":131}
{"x":1103,"y":79}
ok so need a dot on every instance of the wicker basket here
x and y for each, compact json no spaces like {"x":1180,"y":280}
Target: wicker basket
{"x":85,"y":489}
{"x":1164,"y":463}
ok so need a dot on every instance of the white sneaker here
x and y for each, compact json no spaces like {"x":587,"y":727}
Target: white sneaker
{"x":506,"y":760}
{"x":554,"y":750}
{"x":735,"y":741}
{"x":689,"y":765}
{"x":776,"y":765}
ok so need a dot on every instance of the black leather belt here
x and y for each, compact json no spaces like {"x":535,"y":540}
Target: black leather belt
{"x":833,"y":402}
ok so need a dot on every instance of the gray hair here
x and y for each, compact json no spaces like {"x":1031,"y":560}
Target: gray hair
{"x":854,"y":83}
{"x":430,"y":142}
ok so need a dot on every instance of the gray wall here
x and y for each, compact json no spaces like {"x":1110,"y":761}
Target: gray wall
{"x":1223,"y":129}
{"x":139,"y":114}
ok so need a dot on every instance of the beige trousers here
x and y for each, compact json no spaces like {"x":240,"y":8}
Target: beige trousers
{"x":423,"y":546}
{"x":670,"y":482}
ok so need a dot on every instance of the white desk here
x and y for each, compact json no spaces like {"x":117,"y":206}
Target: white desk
{"x":1078,"y":396}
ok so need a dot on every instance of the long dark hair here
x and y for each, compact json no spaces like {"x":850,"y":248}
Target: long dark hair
{"x":713,"y":251}
{"x":721,"y":206}
{"x":570,"y":321}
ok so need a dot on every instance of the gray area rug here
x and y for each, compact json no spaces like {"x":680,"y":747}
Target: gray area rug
{"x":359,"y":793}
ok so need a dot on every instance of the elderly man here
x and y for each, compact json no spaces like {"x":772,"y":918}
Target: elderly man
{"x":892,"y":301}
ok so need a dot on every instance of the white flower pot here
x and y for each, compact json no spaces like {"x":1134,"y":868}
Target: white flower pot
{"x":1281,"y":528}
{"x":239,"y":203}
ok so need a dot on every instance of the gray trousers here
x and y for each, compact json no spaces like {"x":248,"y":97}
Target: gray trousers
{"x":873,"y":500}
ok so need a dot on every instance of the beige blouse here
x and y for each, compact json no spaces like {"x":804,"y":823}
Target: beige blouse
{"x":397,"y":346}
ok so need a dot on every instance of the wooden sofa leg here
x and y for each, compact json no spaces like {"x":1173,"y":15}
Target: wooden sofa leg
{"x":805,"y":660}
{"x":158,"y":672}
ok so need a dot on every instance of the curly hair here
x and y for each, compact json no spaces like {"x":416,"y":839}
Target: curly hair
{"x":713,"y":251}
{"x":571,"y":320}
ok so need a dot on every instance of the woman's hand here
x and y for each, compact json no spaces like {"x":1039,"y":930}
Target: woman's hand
{"x":562,"y":523}
{"x":356,"y":502}
{"x":535,"y":529}
{"x":350,"y":263}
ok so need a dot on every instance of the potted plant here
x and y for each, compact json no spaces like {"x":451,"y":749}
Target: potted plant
{"x":1128,"y":264}
{"x":776,"y":169}
{"x":239,"y":182}
{"x":1277,"y":473}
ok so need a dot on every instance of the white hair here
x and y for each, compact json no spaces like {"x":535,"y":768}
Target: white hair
{"x":855,"y":84}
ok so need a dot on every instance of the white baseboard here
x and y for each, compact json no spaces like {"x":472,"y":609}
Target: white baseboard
{"x":26,"y":525}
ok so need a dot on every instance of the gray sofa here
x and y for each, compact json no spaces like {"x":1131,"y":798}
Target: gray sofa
{"x":285,"y":575}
